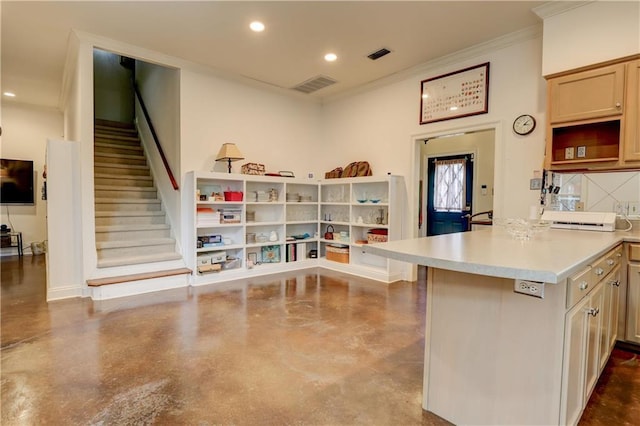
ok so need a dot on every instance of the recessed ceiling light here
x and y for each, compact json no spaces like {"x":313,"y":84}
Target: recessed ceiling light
{"x":9,"y":94}
{"x":453,"y":108}
{"x":330,"y":57}
{"x":256,"y":26}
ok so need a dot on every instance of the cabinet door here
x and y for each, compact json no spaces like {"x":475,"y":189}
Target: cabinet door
{"x":588,"y":94}
{"x":613,"y":285}
{"x":632,"y":113}
{"x":633,"y":303}
{"x":574,"y":363}
{"x":594,"y":311}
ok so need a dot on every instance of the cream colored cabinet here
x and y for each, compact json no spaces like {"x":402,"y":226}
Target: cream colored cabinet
{"x":593,"y":118}
{"x":632,"y":115}
{"x":594,"y":315}
{"x":573,"y":397}
{"x":632,"y":333}
{"x":612,"y":304}
{"x":588,"y":94}
{"x":590,"y":329}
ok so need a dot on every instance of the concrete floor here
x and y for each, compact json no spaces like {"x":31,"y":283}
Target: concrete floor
{"x":306,"y":348}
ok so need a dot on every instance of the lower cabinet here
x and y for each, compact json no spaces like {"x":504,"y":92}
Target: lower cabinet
{"x":633,"y":302}
{"x":590,"y":333}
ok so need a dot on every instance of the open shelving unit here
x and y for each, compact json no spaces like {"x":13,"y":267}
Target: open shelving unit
{"x":280,"y":224}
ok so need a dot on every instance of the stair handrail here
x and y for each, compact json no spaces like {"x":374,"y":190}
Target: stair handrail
{"x":155,"y":137}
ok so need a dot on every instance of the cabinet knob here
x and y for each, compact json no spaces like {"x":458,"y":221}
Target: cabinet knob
{"x":618,"y":254}
{"x":583,"y":285}
{"x":599,"y":271}
{"x":610,"y":262}
{"x":618,"y":105}
{"x":615,"y":283}
{"x":593,"y":311}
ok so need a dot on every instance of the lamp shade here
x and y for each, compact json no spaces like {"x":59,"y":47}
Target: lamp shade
{"x":229,"y":152}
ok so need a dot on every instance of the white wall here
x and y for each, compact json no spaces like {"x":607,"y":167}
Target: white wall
{"x":25,"y":129}
{"x":281,"y":132}
{"x":113,"y":92}
{"x":160,"y":89}
{"x":382,"y":125}
{"x":596,"y":32}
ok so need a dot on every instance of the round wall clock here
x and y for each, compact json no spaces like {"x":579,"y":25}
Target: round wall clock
{"x":524,"y":124}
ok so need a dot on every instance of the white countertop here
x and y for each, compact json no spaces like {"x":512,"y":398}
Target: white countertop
{"x":550,"y":256}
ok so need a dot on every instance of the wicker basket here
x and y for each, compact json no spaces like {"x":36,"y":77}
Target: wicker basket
{"x":338,"y":254}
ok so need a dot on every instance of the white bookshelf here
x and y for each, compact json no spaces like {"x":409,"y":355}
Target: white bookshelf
{"x":285,"y":211}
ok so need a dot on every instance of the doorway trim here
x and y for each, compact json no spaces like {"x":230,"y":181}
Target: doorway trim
{"x":414,"y":183}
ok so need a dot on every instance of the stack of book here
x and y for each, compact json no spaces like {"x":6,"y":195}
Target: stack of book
{"x":207,"y":216}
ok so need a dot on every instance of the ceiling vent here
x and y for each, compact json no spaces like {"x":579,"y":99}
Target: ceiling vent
{"x":379,"y":54}
{"x":314,"y":84}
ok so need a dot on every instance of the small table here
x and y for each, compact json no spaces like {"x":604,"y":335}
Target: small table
{"x":12,"y":239}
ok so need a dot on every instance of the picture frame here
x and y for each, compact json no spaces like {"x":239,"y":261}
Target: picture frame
{"x":456,"y":94}
{"x":271,"y":254}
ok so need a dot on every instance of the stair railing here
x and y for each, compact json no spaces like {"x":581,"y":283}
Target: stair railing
{"x":155,"y":138}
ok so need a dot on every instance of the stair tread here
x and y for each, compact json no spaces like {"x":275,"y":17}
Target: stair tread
{"x":121,"y":166}
{"x":125,"y":188}
{"x":119,"y":156}
{"x":134,"y":243}
{"x":127,"y":201}
{"x":118,"y":176}
{"x":128,"y":213}
{"x":137,"y":277}
{"x":133,"y":260}
{"x":112,"y":136}
{"x":118,"y":145}
{"x":136,"y":227}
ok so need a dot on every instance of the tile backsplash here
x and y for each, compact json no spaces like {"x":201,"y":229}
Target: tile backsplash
{"x":598,"y":192}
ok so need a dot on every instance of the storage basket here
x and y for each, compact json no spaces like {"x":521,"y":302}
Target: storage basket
{"x":253,"y":169}
{"x":377,"y":236}
{"x":338,"y":254}
{"x":233,"y":195}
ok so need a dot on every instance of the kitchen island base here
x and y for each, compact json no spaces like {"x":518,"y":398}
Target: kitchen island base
{"x":492,"y":356}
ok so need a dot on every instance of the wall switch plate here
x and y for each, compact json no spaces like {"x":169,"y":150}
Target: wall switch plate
{"x":568,"y":153}
{"x":582,"y":151}
{"x":530,"y":288}
{"x":535,"y":183}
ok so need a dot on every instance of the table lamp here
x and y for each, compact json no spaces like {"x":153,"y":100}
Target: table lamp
{"x":229,"y":152}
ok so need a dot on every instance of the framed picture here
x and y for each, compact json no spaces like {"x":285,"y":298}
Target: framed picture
{"x":456,"y":94}
{"x":270,"y":254}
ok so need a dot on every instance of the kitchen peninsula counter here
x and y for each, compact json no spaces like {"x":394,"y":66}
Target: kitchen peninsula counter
{"x":494,"y":356}
{"x":550,"y":256}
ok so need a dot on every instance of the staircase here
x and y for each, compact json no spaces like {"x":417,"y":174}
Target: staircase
{"x":131,"y":227}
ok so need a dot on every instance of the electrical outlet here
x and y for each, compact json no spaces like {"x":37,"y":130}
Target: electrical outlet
{"x":582,"y":151}
{"x":535,"y":183}
{"x":634,"y":208}
{"x":568,"y":153}
{"x":530,"y":288}
{"x":579,"y":206}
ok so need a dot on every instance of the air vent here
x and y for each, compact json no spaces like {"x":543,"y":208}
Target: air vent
{"x":378,"y":54}
{"x":314,"y":84}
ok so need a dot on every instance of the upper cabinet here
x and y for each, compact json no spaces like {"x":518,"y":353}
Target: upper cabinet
{"x":593,"y":118}
{"x":587,"y":94}
{"x":632,"y":126}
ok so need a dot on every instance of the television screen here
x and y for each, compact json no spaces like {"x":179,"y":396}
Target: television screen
{"x":16,"y":182}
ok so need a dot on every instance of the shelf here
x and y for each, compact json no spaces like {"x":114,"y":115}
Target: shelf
{"x":220,"y":248}
{"x":221,"y":203}
{"x":278,"y":223}
{"x":293,"y":217}
{"x":219,"y":225}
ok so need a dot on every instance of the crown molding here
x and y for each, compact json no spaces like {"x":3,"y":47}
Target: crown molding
{"x":553,"y":8}
{"x":463,"y":55}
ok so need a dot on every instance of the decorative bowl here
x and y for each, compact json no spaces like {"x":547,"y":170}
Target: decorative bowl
{"x":377,"y":200}
{"x":362,"y":201}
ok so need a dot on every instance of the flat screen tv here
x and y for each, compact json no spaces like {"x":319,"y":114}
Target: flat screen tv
{"x":16,"y":182}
